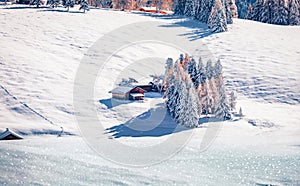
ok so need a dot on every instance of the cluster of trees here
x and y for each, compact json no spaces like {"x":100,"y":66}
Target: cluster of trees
{"x":242,"y":7}
{"x":280,"y":12}
{"x":84,"y":5}
{"x":135,"y":4}
{"x":192,"y":90}
{"x":216,"y":13}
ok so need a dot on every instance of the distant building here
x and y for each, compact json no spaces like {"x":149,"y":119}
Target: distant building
{"x":10,"y":135}
{"x":128,"y":93}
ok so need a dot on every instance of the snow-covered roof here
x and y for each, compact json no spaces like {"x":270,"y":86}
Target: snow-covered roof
{"x":123,"y":89}
{"x":148,"y":8}
{"x":9,"y":132}
{"x":137,"y":95}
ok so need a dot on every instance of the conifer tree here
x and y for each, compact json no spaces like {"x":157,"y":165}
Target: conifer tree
{"x":269,"y":9}
{"x":257,"y":10}
{"x":36,"y":2}
{"x":84,"y":5}
{"x":68,"y":3}
{"x":281,"y":15}
{"x":221,"y":106}
{"x":180,"y":7}
{"x":192,"y":70}
{"x":53,"y":3}
{"x":217,"y":19}
{"x":293,"y":12}
{"x":189,"y":8}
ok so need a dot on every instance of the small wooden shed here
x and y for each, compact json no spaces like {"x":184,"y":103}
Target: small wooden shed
{"x":10,"y":135}
{"x":128,"y":93}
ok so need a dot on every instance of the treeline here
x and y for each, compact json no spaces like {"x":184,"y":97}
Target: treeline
{"x":84,"y":5}
{"x":216,"y":13}
{"x":193,"y":90}
{"x":280,"y":12}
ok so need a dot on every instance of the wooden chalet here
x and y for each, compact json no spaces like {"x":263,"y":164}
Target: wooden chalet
{"x":10,"y":135}
{"x":128,"y":93}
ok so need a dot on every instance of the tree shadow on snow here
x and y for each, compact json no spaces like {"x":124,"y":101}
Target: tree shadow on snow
{"x":200,"y":29}
{"x":60,"y":10}
{"x":25,"y":7}
{"x":147,"y":125}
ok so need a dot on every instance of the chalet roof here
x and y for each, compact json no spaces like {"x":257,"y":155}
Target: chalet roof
{"x":123,"y":89}
{"x":137,"y":95}
{"x":9,"y":132}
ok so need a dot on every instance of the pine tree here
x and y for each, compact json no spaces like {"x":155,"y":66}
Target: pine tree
{"x":53,"y":3}
{"x":36,"y":2}
{"x":68,"y":3}
{"x":221,"y":106}
{"x":257,"y":10}
{"x":217,"y":19}
{"x":84,"y":5}
{"x":228,"y":13}
{"x":192,"y":70}
{"x":180,"y":7}
{"x":293,"y":12}
{"x":168,"y":71}
{"x":201,"y":72}
{"x":269,"y":9}
{"x":204,"y":10}
{"x":249,"y":13}
{"x":192,"y":106}
{"x":189,"y":8}
{"x":211,"y":92}
{"x":281,"y":15}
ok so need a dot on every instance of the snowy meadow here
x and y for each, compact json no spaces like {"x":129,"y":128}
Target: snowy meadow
{"x":56,"y":71}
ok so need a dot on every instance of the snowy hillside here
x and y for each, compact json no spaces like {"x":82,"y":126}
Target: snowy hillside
{"x":41,"y":50}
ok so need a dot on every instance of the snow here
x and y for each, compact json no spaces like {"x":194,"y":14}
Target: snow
{"x":41,"y":50}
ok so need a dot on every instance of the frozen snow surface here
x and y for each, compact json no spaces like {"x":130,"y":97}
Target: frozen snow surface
{"x":41,"y":50}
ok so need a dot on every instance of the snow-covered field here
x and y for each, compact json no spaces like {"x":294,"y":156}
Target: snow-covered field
{"x":41,"y":50}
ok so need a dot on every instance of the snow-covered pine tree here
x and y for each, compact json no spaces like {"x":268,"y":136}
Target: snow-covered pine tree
{"x":204,"y":10}
{"x":192,"y":106}
{"x":53,"y":3}
{"x":201,"y":72}
{"x":192,"y":70}
{"x":233,"y":9}
{"x":268,"y":14}
{"x":221,"y":107}
{"x":171,"y":95}
{"x":222,"y":110}
{"x":281,"y":15}
{"x":293,"y":12}
{"x":36,"y":2}
{"x":210,"y":87}
{"x":257,"y":10}
{"x":84,"y":5}
{"x":196,"y":9}
{"x":232,"y":100}
{"x":168,"y":71}
{"x":217,"y":19}
{"x":180,"y":106}
{"x":68,"y":3}
{"x":179,"y":7}
{"x":189,"y":8}
{"x":249,"y":13}
{"x":226,"y":5}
